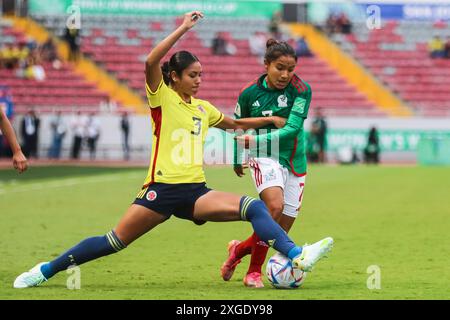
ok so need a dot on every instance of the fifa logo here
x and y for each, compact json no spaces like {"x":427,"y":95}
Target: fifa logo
{"x":373,"y":20}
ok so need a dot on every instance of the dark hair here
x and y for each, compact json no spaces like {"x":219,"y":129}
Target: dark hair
{"x":276,"y":49}
{"x":178,"y":62}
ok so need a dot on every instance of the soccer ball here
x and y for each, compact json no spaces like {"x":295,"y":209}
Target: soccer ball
{"x":280,"y":273}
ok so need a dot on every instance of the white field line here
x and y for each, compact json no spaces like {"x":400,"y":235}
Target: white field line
{"x":68,"y":182}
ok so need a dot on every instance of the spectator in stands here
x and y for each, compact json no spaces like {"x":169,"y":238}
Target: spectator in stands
{"x":372,"y":150}
{"x":125,"y":127}
{"x":331,"y":24}
{"x":48,"y":53}
{"x":436,"y":47}
{"x":319,"y":133}
{"x":344,"y":24}
{"x":257,"y":43}
{"x":29,"y":130}
{"x":59,"y":129}
{"x":72,"y":37}
{"x":447,"y":48}
{"x":10,"y":56}
{"x":32,"y":69}
{"x":221,"y":47}
{"x":302,"y":48}
{"x":275,"y":24}
{"x":78,"y":126}
{"x":92,"y":134}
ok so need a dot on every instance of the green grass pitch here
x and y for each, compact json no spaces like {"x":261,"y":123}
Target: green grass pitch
{"x":397,"y":218}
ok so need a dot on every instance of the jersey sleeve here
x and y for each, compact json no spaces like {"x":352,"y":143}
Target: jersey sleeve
{"x":155,"y":99}
{"x":214,"y":115}
{"x":294,"y":122}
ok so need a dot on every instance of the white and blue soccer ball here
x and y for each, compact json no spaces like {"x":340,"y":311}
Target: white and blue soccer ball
{"x":281,"y":274}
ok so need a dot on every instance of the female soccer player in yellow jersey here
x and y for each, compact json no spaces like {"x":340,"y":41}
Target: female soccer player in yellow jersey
{"x":280,"y":177}
{"x":176,"y":185}
{"x":19,"y":160}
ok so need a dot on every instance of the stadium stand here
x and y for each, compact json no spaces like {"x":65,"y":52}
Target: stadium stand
{"x":62,"y":89}
{"x":120,"y":45}
{"x":398,"y":55}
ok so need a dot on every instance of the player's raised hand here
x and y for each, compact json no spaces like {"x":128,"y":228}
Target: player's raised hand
{"x":20,"y":162}
{"x":191,"y":18}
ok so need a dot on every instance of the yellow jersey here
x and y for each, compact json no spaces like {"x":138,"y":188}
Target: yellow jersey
{"x":179,"y":132}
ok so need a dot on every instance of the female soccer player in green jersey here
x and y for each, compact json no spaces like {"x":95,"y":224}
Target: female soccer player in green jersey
{"x":19,"y":160}
{"x":175,"y":184}
{"x":278,"y":165}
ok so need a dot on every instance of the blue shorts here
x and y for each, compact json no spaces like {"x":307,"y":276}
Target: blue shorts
{"x":172,"y":199}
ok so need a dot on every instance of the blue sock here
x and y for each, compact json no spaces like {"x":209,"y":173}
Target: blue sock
{"x":265,"y":227}
{"x":87,"y":250}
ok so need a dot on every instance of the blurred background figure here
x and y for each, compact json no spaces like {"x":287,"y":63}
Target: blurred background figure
{"x":78,"y":127}
{"x":372,"y":149}
{"x":257,"y":43}
{"x":29,"y":130}
{"x":319,"y":133}
{"x":125,"y":128}
{"x":72,"y":37}
{"x":221,"y":46}
{"x":302,"y":48}
{"x":436,"y":47}
{"x":275,"y":25}
{"x":48,"y":53}
{"x":59,"y":129}
{"x":92,"y":134}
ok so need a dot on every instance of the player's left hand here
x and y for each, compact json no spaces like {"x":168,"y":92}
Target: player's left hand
{"x":191,"y":18}
{"x":20,"y":162}
{"x":245,"y":140}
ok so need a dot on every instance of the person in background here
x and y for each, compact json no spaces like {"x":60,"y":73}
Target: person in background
{"x":319,"y":130}
{"x":436,"y":47}
{"x":447,"y":48}
{"x":59,"y":130}
{"x":78,"y":126}
{"x":30,"y":133}
{"x":125,"y":127}
{"x":72,"y":37}
{"x":372,"y":150}
{"x":302,"y":48}
{"x":257,"y":43}
{"x":92,"y":134}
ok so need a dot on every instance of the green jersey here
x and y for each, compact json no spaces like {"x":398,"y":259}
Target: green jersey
{"x":287,"y":145}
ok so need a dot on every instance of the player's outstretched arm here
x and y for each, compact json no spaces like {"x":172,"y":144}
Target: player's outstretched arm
{"x":153,"y":74}
{"x":250,"y":123}
{"x":19,"y":160}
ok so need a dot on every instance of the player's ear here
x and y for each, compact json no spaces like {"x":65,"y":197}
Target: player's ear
{"x":174,"y":76}
{"x":266,"y":65}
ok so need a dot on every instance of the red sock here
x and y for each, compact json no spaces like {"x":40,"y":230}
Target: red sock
{"x":259,"y":253}
{"x":245,"y":247}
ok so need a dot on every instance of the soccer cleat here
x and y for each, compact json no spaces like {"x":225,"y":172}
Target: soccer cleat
{"x":230,"y":264}
{"x":253,"y":280}
{"x":311,"y":254}
{"x":32,"y":278}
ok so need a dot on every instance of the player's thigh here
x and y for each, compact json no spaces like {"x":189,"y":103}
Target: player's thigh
{"x":293,"y":195}
{"x":137,"y":221}
{"x":217,"y":206}
{"x":273,"y":197}
{"x":266,"y":173}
